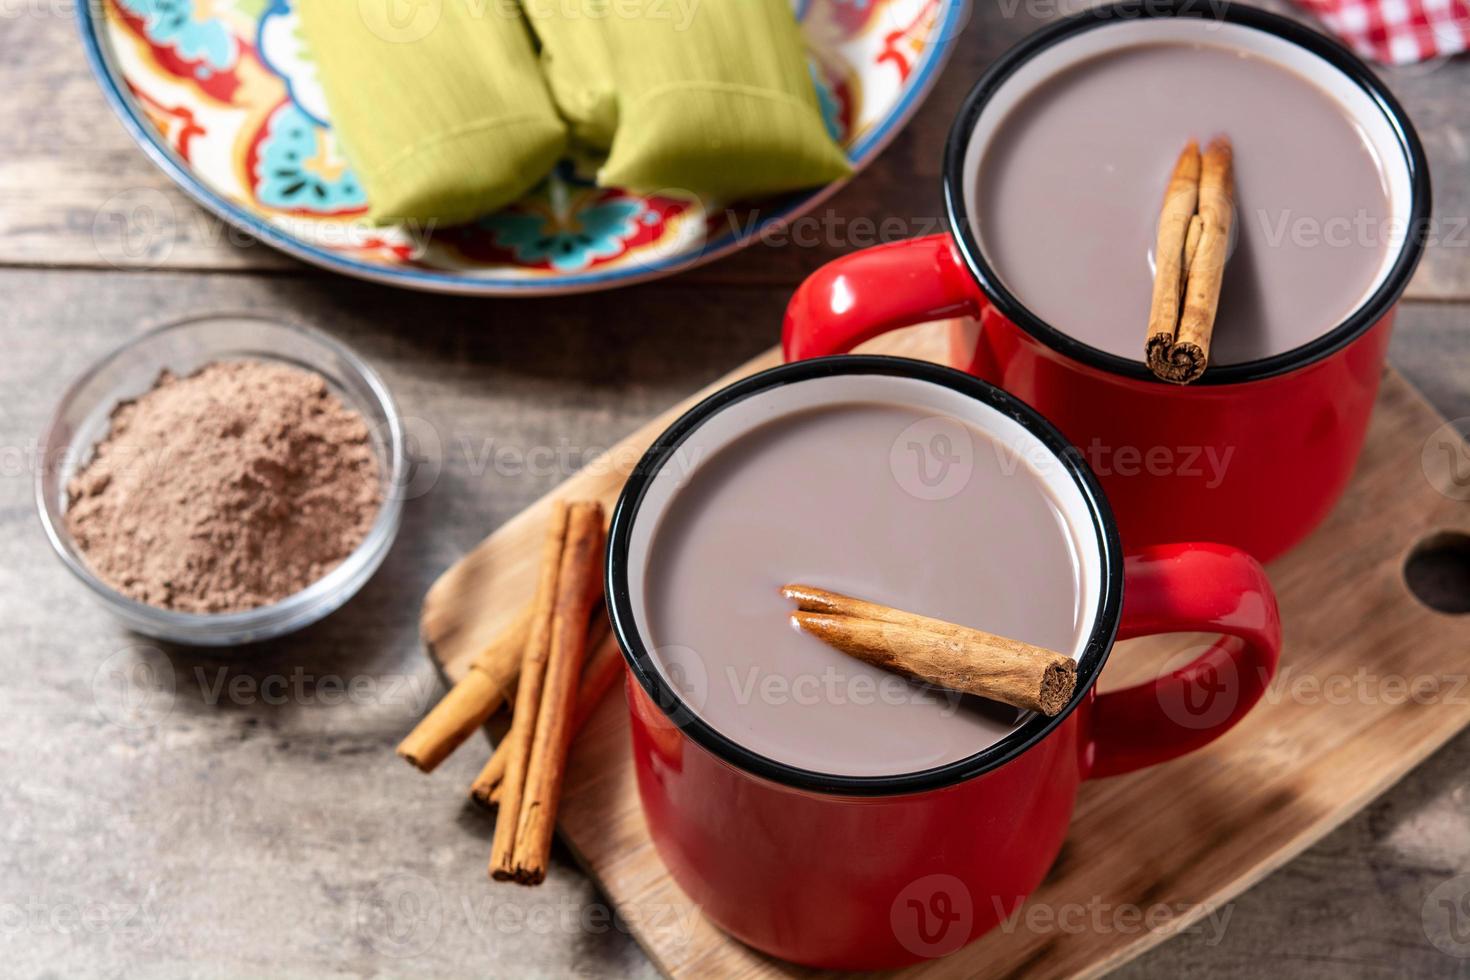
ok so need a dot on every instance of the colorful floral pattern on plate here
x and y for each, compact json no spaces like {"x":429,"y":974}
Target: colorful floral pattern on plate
{"x":224,"y":96}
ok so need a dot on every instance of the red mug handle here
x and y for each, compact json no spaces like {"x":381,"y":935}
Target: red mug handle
{"x":859,"y":296}
{"x":1188,"y":588}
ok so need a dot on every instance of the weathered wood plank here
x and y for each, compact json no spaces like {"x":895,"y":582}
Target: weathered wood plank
{"x":259,"y":837}
{"x":75,"y":192}
{"x":255,"y":821}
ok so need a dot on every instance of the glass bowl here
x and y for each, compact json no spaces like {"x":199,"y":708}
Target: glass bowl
{"x":84,"y":416}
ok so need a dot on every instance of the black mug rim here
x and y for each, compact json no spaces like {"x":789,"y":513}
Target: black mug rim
{"x":666,"y":699}
{"x":1368,"y":313}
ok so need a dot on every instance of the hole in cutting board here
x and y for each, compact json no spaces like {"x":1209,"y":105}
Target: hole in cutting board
{"x":1437,"y":572}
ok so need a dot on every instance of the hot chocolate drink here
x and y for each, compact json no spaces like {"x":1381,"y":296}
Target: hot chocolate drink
{"x":1071,"y":181}
{"x":886,"y":501}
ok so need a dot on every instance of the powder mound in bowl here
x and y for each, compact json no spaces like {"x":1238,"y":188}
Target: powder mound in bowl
{"x":225,"y":490}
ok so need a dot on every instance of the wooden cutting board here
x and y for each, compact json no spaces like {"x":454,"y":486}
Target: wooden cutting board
{"x":1178,"y":840}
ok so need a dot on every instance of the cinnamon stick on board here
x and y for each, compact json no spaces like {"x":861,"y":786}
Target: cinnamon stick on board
{"x":603,"y":666}
{"x":1180,"y":201}
{"x":1191,"y":353}
{"x":528,"y":690}
{"x":470,"y":702}
{"x":577,"y":591}
{"x":955,"y":657}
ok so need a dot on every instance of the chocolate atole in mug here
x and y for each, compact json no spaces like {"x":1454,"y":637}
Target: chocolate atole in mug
{"x":1070,"y":185}
{"x":882,"y":499}
{"x":807,"y":802}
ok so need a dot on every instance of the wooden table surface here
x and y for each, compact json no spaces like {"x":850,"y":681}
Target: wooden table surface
{"x":251,"y":820}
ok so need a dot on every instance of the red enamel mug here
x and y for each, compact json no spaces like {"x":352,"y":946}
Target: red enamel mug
{"x":1254,"y":454}
{"x":867,"y":872}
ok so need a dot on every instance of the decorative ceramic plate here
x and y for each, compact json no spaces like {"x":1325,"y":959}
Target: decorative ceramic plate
{"x":223,"y":95}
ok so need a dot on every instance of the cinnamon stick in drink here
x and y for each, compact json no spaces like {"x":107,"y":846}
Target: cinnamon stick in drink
{"x":1191,"y":353}
{"x":1180,"y":201}
{"x":603,"y":667}
{"x":528,"y":692}
{"x":472,"y":701}
{"x":958,"y":658}
{"x":1191,"y":247}
{"x":577,"y":591}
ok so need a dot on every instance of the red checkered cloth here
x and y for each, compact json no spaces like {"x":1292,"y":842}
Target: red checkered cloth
{"x":1397,"y":32}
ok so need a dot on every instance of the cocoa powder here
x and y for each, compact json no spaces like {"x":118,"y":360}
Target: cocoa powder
{"x":225,"y":490}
